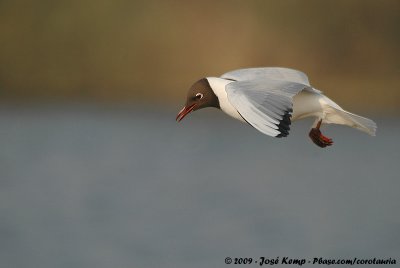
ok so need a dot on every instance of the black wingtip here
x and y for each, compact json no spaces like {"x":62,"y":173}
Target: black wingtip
{"x":284,"y":124}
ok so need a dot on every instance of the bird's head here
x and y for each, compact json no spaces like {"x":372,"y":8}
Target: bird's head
{"x":200,"y":95}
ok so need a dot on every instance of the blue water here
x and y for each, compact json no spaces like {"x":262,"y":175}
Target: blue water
{"x":101,"y":186}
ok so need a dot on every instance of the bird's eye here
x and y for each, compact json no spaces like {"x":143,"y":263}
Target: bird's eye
{"x":199,"y":96}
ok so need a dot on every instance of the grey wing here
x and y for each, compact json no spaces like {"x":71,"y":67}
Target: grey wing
{"x":265,"y":104}
{"x":276,"y":73}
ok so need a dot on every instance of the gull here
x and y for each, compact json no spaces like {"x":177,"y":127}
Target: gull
{"x":269,"y":99}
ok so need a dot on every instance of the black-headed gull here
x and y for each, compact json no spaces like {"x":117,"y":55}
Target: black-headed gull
{"x":269,"y":99}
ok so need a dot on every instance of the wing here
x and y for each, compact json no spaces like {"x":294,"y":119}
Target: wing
{"x":276,"y":73}
{"x":265,"y":104}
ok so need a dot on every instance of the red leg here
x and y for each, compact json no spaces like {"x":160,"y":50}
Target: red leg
{"x":317,"y":137}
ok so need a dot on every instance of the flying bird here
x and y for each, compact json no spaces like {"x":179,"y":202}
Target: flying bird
{"x":270,"y":98}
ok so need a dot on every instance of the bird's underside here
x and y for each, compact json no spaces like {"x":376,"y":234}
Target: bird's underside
{"x":305,"y":106}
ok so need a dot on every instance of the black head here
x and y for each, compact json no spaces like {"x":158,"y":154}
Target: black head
{"x":200,"y":95}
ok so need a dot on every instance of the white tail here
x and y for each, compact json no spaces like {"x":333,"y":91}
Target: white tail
{"x":356,"y":121}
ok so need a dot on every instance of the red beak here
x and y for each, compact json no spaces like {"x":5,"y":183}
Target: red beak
{"x":185,"y":111}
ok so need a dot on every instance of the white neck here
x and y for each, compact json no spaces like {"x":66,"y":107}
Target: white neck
{"x":218,"y":86}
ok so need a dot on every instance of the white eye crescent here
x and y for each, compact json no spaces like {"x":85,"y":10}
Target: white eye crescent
{"x":199,"y":96}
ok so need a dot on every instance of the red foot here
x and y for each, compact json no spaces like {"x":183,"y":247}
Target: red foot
{"x":319,"y":139}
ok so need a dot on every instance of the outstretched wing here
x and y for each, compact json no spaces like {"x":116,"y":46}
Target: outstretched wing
{"x":275,"y":73}
{"x":265,"y":104}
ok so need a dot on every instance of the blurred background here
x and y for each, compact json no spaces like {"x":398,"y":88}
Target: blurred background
{"x":95,"y":172}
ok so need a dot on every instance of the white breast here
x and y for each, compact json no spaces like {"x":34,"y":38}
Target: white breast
{"x":218,"y":86}
{"x":307,"y":104}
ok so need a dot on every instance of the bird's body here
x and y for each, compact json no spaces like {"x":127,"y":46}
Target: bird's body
{"x":269,"y":99}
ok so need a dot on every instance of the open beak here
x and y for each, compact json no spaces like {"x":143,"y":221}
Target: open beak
{"x":185,"y":111}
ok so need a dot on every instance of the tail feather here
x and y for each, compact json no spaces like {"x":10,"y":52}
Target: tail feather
{"x":356,"y":121}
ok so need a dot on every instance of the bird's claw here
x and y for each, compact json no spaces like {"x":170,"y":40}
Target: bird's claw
{"x":319,"y":139}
